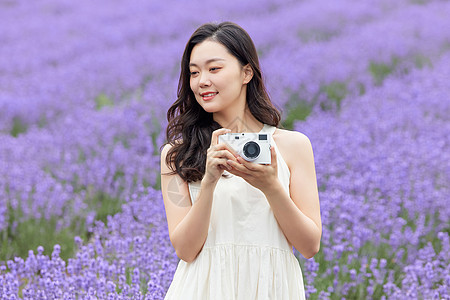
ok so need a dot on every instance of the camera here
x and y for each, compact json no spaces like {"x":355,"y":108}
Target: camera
{"x":254,"y":147}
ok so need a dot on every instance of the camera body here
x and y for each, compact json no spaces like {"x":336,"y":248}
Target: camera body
{"x":254,"y":147}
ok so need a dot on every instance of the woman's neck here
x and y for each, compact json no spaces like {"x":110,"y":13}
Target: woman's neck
{"x":243,"y":121}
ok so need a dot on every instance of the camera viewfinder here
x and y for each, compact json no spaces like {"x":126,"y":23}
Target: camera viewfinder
{"x":263,"y":137}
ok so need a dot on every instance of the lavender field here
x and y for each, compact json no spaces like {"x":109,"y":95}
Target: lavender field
{"x":84,"y":90}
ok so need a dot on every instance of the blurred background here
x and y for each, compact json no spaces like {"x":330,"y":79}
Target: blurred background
{"x":84,"y":91}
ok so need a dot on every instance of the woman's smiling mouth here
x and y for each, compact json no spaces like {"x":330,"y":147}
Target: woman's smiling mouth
{"x":208,"y":95}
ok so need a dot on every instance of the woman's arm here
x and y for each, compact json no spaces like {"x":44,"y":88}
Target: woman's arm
{"x":188,"y":224}
{"x":298,"y":213}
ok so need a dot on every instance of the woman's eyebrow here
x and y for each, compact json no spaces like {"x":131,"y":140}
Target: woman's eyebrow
{"x":208,"y":61}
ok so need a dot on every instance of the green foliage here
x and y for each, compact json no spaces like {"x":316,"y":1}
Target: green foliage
{"x":155,"y":130}
{"x":299,"y":110}
{"x":124,"y":140}
{"x":335,"y":92}
{"x":157,"y":185}
{"x":20,"y":236}
{"x":28,"y":235}
{"x":420,"y":2}
{"x":43,"y":121}
{"x":369,"y":250}
{"x":380,"y":71}
{"x":362,"y":89}
{"x":143,"y":280}
{"x":323,"y":281}
{"x":104,"y":205}
{"x":81,"y":156}
{"x":421,"y":61}
{"x":18,"y":127}
{"x":308,"y":36}
{"x":103,"y":100}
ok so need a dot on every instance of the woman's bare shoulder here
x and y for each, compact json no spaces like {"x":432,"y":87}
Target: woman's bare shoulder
{"x":165,"y":150}
{"x":285,"y":135}
{"x":291,"y":144}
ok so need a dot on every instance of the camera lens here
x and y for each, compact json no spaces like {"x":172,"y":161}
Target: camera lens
{"x":251,"y":150}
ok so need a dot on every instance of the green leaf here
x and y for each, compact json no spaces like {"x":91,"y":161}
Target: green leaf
{"x":102,"y":100}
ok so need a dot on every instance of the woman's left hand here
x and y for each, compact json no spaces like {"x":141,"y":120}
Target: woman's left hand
{"x":258,"y":175}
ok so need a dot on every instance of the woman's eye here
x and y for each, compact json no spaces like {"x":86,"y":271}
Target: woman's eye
{"x":193,"y":73}
{"x":214,"y":69}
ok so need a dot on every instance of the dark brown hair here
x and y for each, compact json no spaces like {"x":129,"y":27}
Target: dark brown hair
{"x":190,"y":127}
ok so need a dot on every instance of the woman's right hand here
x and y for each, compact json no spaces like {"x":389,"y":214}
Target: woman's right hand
{"x":217,"y":156}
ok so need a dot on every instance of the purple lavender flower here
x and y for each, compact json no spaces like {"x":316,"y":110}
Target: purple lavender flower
{"x":81,"y":113}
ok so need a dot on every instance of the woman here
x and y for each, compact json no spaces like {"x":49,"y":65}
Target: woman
{"x":233,"y":222}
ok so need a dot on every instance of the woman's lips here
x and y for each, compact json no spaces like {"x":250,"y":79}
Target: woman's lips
{"x":208,"y":96}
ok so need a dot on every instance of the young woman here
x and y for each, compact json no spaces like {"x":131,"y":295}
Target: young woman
{"x":233,"y":222}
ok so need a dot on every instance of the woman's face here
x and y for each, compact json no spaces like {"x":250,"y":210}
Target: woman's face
{"x":217,"y":79}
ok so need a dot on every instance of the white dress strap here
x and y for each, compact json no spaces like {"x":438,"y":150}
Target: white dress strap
{"x":268,"y":129}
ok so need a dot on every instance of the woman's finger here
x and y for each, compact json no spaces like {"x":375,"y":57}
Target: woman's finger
{"x":237,"y":173}
{"x":224,"y":154}
{"x":222,"y":163}
{"x":226,"y":146}
{"x":249,"y":165}
{"x":239,"y":167}
{"x":216,"y":133}
{"x":273,"y":157}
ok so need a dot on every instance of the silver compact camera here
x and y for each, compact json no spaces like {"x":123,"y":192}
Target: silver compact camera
{"x":254,"y":147}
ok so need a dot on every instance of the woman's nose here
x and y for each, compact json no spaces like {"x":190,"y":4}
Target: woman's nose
{"x":204,"y":80}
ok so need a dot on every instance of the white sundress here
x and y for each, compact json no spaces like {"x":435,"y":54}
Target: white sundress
{"x":246,"y":256}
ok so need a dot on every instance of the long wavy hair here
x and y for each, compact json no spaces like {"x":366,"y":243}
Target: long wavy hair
{"x":190,"y":127}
